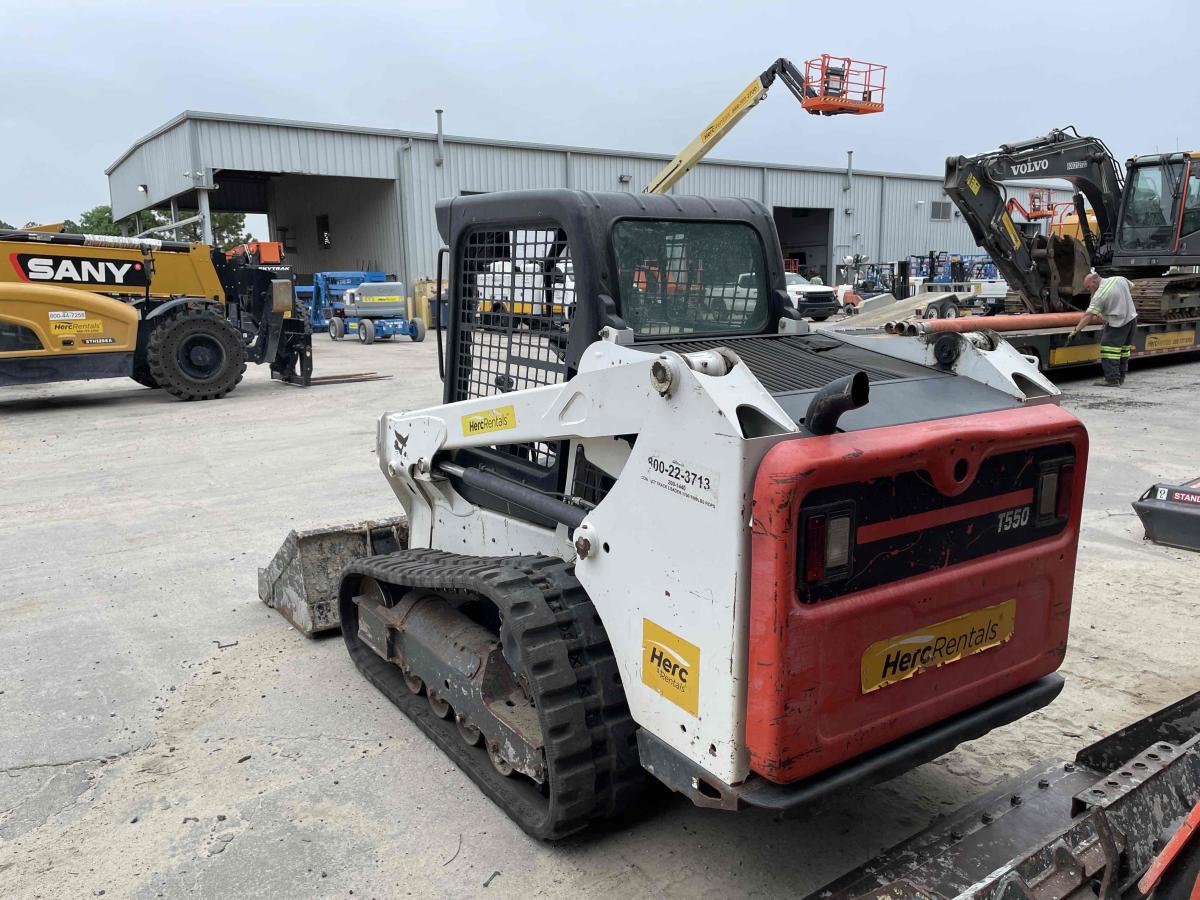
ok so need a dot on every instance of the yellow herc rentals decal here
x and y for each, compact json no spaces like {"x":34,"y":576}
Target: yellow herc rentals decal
{"x":906,"y":655}
{"x":501,"y":418}
{"x":671,"y":666}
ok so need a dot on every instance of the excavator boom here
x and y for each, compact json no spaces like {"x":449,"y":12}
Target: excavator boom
{"x":1045,"y":270}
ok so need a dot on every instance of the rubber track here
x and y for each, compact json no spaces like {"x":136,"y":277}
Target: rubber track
{"x":554,"y":641}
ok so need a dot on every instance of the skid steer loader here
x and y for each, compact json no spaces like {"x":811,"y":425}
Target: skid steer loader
{"x":663,"y":528}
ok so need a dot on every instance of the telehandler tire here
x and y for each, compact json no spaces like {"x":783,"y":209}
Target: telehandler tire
{"x":141,"y":374}
{"x":196,"y":354}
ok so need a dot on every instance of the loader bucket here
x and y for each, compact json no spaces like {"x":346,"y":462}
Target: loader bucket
{"x":1170,"y":513}
{"x":301,"y":580}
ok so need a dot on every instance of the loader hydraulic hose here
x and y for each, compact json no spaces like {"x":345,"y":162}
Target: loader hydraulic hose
{"x":840,"y":396}
{"x":518,"y":494}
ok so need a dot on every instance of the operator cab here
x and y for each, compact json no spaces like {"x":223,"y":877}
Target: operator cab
{"x":537,"y":276}
{"x":1161,"y":212}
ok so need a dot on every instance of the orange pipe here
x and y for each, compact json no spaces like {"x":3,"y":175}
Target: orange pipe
{"x":1004,"y":323}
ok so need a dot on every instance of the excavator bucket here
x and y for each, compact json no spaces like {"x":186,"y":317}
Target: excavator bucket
{"x":302,"y":578}
{"x":1071,"y":258}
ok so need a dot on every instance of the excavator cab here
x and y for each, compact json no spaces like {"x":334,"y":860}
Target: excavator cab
{"x":1152,"y":218}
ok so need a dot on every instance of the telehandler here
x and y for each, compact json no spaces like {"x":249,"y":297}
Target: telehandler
{"x":678,"y":533}
{"x":170,"y":315}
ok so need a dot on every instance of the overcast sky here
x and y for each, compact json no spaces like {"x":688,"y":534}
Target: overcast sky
{"x":86,"y":79}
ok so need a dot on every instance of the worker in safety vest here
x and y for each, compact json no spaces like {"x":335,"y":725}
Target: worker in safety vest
{"x":1112,"y":305}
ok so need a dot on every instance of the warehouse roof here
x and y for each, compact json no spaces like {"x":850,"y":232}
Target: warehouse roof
{"x":196,"y":115}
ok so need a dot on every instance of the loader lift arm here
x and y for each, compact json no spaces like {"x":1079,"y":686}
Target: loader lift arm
{"x":976,"y":185}
{"x":829,"y":86}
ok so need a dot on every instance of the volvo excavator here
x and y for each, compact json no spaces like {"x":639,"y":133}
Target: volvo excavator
{"x":170,"y":315}
{"x":1147,"y":222}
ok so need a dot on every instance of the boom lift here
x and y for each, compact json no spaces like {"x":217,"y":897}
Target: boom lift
{"x":829,"y":86}
{"x":1147,"y":220}
{"x":680,"y":534}
{"x":167,"y":314}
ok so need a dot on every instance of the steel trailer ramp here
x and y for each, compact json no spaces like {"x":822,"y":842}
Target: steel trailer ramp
{"x":1083,"y":829}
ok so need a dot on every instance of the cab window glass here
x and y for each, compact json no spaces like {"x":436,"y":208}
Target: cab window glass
{"x":15,"y":338}
{"x":680,"y":278}
{"x":1149,"y":221}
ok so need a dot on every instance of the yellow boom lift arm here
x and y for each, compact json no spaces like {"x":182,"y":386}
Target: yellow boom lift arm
{"x":828,"y":86}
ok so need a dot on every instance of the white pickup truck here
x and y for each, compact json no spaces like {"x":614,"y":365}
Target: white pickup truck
{"x":814,"y":301}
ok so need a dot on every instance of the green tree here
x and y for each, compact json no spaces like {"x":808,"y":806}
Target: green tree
{"x":229,"y":229}
{"x":4,"y":225}
{"x":97,"y":220}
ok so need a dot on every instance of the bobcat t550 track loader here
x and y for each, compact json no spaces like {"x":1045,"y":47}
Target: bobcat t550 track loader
{"x":662,"y":527}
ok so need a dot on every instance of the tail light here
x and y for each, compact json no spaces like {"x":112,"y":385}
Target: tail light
{"x":1056,"y":490}
{"x":837,"y":543}
{"x":1066,"y":491}
{"x":814,"y":548}
{"x":828,"y":537}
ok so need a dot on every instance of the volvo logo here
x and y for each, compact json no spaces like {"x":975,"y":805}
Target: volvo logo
{"x":1028,"y":168}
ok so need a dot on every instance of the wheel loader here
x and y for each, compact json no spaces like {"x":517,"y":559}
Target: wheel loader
{"x":659,"y":532}
{"x":170,"y":315}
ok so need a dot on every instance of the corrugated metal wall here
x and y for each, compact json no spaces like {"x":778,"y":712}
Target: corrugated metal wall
{"x":161,"y":164}
{"x":309,"y":151}
{"x":884,"y":216}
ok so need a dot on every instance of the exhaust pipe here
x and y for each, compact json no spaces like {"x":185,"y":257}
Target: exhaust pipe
{"x":840,"y":396}
{"x":441,"y":141}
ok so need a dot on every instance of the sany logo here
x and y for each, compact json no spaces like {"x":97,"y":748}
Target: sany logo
{"x":1028,"y":168}
{"x":78,"y":270}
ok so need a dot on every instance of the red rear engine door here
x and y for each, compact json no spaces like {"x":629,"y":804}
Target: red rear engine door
{"x":902,"y":575}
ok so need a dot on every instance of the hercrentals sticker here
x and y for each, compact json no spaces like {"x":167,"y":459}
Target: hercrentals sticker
{"x":85,"y":326}
{"x":901,"y":657}
{"x":671,"y":666}
{"x":501,"y":418}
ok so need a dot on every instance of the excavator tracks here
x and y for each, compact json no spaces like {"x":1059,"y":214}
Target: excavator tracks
{"x":1169,"y":299}
{"x":553,"y":642}
{"x":1172,"y":298}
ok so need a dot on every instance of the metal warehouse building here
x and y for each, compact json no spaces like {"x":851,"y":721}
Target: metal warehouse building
{"x":349,"y":198}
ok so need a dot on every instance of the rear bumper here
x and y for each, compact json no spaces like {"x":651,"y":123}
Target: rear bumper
{"x":879,"y":765}
{"x":824,"y":308}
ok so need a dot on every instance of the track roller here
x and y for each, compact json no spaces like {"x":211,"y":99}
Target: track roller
{"x":440,"y":708}
{"x":468,"y":732}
